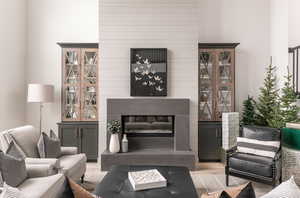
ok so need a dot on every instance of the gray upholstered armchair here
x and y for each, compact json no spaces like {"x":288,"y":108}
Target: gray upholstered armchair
{"x":255,"y":167}
{"x":70,"y":163}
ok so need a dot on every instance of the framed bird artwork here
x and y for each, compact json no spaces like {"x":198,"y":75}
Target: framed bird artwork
{"x":148,"y":71}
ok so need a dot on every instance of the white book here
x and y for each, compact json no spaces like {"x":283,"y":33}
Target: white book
{"x":147,"y":179}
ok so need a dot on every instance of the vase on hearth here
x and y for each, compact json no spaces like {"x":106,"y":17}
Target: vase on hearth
{"x":114,"y":143}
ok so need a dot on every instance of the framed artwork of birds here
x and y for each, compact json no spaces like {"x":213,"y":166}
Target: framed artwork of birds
{"x":148,"y":71}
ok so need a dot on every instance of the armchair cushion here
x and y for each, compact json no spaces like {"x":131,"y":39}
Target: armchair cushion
{"x":55,"y":163}
{"x":26,"y":137}
{"x":69,"y":151}
{"x":254,"y":164}
{"x":40,"y":170}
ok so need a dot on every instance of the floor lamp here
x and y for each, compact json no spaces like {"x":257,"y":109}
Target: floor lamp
{"x":40,"y":93}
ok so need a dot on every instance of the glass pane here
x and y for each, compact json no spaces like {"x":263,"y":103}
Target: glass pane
{"x":224,"y":100}
{"x":71,"y":102}
{"x":225,"y":66}
{"x":90,"y":102}
{"x":72,"y":68}
{"x":205,"y":85}
{"x":90,"y":67}
{"x":71,"y":58}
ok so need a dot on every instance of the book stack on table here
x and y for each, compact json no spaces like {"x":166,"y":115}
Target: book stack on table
{"x":147,"y":179}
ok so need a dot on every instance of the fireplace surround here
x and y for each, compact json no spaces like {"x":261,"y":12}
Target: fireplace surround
{"x":159,"y":148}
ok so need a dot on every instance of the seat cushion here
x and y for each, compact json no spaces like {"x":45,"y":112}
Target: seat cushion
{"x":27,"y":137}
{"x":73,"y":166}
{"x":116,"y":184}
{"x":43,"y":187}
{"x":254,"y":164}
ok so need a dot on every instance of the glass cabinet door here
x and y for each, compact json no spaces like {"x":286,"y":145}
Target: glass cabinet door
{"x":71,"y":85}
{"x":224,"y":82}
{"x":89,"y":84}
{"x":206,"y":85}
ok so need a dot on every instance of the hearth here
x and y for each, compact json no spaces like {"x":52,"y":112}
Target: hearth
{"x":148,"y":125}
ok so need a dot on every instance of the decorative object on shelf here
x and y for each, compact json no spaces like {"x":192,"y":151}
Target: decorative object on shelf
{"x":148,"y":72}
{"x":40,"y":93}
{"x":124,"y":143}
{"x":230,"y":129}
{"x":216,"y":90}
{"x":146,"y":179}
{"x":80,"y":82}
{"x":114,"y":127}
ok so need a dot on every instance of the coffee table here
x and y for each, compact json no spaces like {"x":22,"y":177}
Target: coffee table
{"x":116,"y":184}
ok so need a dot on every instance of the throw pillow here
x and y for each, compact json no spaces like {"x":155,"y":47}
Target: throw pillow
{"x":287,"y":189}
{"x":15,"y":151}
{"x":78,"y":191}
{"x":10,"y":192}
{"x":242,"y":191}
{"x":48,"y":147}
{"x":222,"y":194}
{"x":13,"y":170}
{"x":257,"y":147}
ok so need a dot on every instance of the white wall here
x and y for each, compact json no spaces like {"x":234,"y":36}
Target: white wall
{"x":50,"y":22}
{"x":294,"y":23}
{"x":12,"y":55}
{"x":279,"y":37}
{"x":246,"y":22}
{"x":129,"y":24}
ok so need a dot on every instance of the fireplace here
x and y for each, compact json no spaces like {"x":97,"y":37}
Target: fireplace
{"x":158,"y":132}
{"x":148,"y":125}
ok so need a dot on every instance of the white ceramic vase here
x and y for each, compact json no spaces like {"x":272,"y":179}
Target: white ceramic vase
{"x":114,"y":144}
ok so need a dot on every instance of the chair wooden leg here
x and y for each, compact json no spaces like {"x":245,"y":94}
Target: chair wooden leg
{"x":82,"y":179}
{"x":227,"y":180}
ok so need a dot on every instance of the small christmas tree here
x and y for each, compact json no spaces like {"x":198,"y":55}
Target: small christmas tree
{"x":288,"y":101}
{"x":276,"y":119}
{"x":268,"y":97}
{"x":248,"y":116}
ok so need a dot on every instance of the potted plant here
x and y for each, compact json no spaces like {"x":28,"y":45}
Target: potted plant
{"x":114,"y":128}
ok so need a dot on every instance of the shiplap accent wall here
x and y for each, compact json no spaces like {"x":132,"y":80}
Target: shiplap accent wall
{"x":129,"y":24}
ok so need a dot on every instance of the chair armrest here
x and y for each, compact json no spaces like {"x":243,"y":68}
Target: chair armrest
{"x":231,"y":150}
{"x":277,"y":156}
{"x":40,"y":170}
{"x":69,"y":150}
{"x":44,"y":161}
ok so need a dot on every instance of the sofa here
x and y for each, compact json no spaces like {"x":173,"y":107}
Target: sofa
{"x":70,"y":163}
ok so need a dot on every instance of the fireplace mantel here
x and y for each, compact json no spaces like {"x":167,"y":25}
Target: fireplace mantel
{"x":174,"y":150}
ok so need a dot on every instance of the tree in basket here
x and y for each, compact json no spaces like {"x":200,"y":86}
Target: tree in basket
{"x":248,"y":116}
{"x":268,"y":98}
{"x":114,"y":127}
{"x":288,"y":101}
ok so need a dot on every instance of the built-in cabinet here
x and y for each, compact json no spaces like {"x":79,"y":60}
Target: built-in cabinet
{"x":79,"y":97}
{"x":216,"y":70}
{"x":83,"y":135}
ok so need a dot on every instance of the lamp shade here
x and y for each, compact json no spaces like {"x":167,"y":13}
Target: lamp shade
{"x":40,"y":93}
